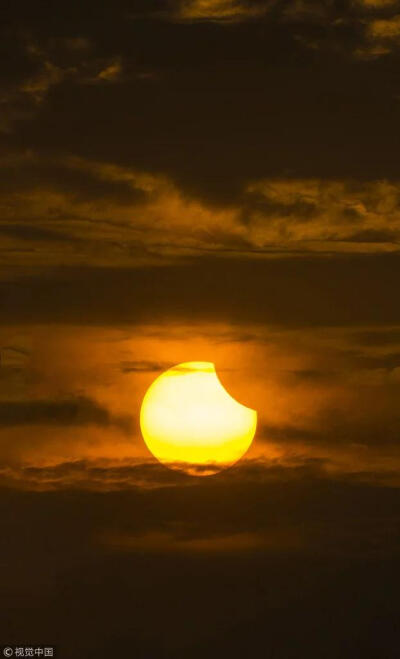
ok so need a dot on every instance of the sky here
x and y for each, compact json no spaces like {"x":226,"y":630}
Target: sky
{"x":200,"y":180}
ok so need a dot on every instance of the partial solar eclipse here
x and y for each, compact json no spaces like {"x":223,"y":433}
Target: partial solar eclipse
{"x":190,"y":422}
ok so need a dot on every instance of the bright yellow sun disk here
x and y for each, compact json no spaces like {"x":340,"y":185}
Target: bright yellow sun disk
{"x":187,"y":418}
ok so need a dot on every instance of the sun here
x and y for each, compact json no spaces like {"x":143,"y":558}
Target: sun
{"x":190,"y":422}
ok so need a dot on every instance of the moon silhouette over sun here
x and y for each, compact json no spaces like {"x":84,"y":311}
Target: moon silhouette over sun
{"x":190,"y":422}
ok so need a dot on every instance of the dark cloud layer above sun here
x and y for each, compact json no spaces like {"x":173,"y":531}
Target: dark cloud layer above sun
{"x":127,"y":141}
{"x":306,"y":292}
{"x":70,"y":210}
{"x":292,"y":109}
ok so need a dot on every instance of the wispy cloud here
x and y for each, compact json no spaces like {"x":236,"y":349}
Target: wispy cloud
{"x":71,"y":210}
{"x":222,"y":10}
{"x":50,"y":63}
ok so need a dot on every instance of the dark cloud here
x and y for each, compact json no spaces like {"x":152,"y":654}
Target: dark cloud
{"x":27,"y":174}
{"x":357,"y":425}
{"x":196,"y":121}
{"x":374,"y":236}
{"x":389,"y":361}
{"x":68,"y":412}
{"x":16,"y":349}
{"x":323,"y":541}
{"x":299,"y":209}
{"x":380,"y":337}
{"x":312,"y":375}
{"x":274,"y":495}
{"x":192,"y":100}
{"x":304,"y":292}
{"x":101,"y":475}
{"x":144,"y":366}
{"x":27,"y":232}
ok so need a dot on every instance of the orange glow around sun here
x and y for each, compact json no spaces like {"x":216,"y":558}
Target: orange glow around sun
{"x":190,"y":422}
